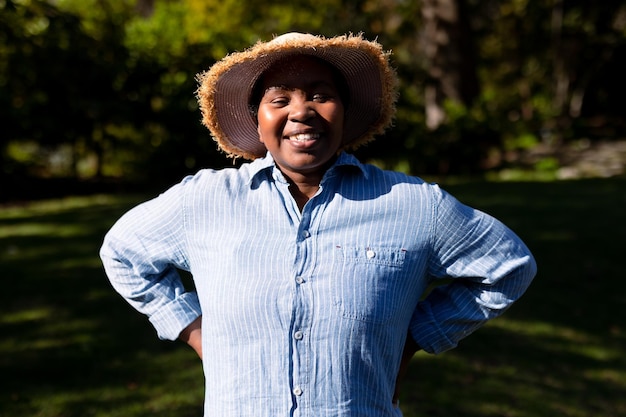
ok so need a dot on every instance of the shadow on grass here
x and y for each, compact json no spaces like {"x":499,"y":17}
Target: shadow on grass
{"x":71,"y":347}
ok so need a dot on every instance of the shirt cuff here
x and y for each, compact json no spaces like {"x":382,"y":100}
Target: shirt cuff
{"x":174,"y":316}
{"x":427,"y":333}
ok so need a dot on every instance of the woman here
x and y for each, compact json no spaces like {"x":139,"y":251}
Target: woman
{"x":310,"y":267}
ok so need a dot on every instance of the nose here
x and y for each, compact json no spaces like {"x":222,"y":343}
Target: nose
{"x":300,"y":110}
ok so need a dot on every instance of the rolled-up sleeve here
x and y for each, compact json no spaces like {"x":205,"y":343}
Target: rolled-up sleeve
{"x":141,"y":255}
{"x":488,"y":268}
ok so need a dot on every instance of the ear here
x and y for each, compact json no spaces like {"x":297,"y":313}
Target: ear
{"x":258,"y":129}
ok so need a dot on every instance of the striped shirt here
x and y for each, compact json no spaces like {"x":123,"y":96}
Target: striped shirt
{"x":305,"y":313}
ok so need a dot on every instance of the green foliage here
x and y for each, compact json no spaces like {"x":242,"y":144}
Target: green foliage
{"x":103,"y":89}
{"x":160,"y":36}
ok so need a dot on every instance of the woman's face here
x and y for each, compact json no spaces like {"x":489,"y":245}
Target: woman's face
{"x":301,"y":117}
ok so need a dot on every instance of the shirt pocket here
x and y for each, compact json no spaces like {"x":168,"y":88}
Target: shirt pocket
{"x":367,"y":282}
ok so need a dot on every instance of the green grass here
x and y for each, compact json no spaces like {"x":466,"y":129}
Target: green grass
{"x":70,"y":347}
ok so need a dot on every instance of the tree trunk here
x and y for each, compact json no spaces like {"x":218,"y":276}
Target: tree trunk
{"x":446,"y":40}
{"x":145,"y":8}
{"x":561,"y":78}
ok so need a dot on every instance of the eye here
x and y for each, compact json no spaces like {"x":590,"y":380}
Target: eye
{"x":276,"y":97}
{"x":275,"y":100}
{"x":322,"y":97}
{"x":279,"y":101}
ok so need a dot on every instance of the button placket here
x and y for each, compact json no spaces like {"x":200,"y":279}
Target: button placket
{"x":306,"y":235}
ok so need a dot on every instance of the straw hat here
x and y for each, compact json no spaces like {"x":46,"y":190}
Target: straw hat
{"x":225,"y":90}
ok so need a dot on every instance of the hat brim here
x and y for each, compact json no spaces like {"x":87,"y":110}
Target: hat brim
{"x":225,"y":90}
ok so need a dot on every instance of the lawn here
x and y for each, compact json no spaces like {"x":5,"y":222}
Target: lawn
{"x":70,"y":347}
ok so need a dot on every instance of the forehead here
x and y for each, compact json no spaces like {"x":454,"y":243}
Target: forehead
{"x":299,"y":71}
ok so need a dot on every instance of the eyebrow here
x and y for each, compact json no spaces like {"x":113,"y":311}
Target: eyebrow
{"x":279,"y":88}
{"x":283,"y":87}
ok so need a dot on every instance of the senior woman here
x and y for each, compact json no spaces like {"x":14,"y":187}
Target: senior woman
{"x":310,"y":267}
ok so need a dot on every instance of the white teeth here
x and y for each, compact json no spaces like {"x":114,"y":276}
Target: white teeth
{"x":302,"y":137}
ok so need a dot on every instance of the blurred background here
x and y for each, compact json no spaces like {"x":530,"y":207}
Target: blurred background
{"x":97,"y":93}
{"x":515,"y":106}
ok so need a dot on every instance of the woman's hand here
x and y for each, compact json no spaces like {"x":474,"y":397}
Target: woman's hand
{"x":192,"y":335}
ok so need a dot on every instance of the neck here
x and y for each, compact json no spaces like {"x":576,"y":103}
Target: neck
{"x":304,"y":185}
{"x":303,"y":191}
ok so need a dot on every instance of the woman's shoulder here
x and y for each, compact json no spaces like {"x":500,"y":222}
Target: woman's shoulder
{"x":224,"y":178}
{"x":367,"y":181}
{"x":375,"y":173}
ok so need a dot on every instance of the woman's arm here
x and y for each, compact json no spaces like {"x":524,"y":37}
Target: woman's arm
{"x":192,"y":335}
{"x":141,"y":255}
{"x":486,"y":268}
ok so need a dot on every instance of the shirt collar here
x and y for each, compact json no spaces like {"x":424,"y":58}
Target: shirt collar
{"x":267,"y":164}
{"x":349,"y":160}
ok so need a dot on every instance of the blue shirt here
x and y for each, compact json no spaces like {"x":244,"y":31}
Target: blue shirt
{"x":306,"y":313}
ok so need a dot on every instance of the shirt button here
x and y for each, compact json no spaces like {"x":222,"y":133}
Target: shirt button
{"x":300,"y":280}
{"x":306,"y":233}
{"x":297,"y":391}
{"x":370,"y":254}
{"x":298,"y":335}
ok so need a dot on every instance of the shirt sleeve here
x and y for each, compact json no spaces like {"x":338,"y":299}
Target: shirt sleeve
{"x":488,"y":268}
{"x":141,"y":255}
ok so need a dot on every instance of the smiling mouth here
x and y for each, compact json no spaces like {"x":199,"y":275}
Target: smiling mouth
{"x":303,"y":137}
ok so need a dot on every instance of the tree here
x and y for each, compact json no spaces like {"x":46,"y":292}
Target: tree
{"x":446,"y":40}
{"x":111,"y":82}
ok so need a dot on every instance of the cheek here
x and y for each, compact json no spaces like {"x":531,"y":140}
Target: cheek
{"x":336,"y":118}
{"x":267,"y":124}
{"x":335,"y":114}
{"x":340,"y":119}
